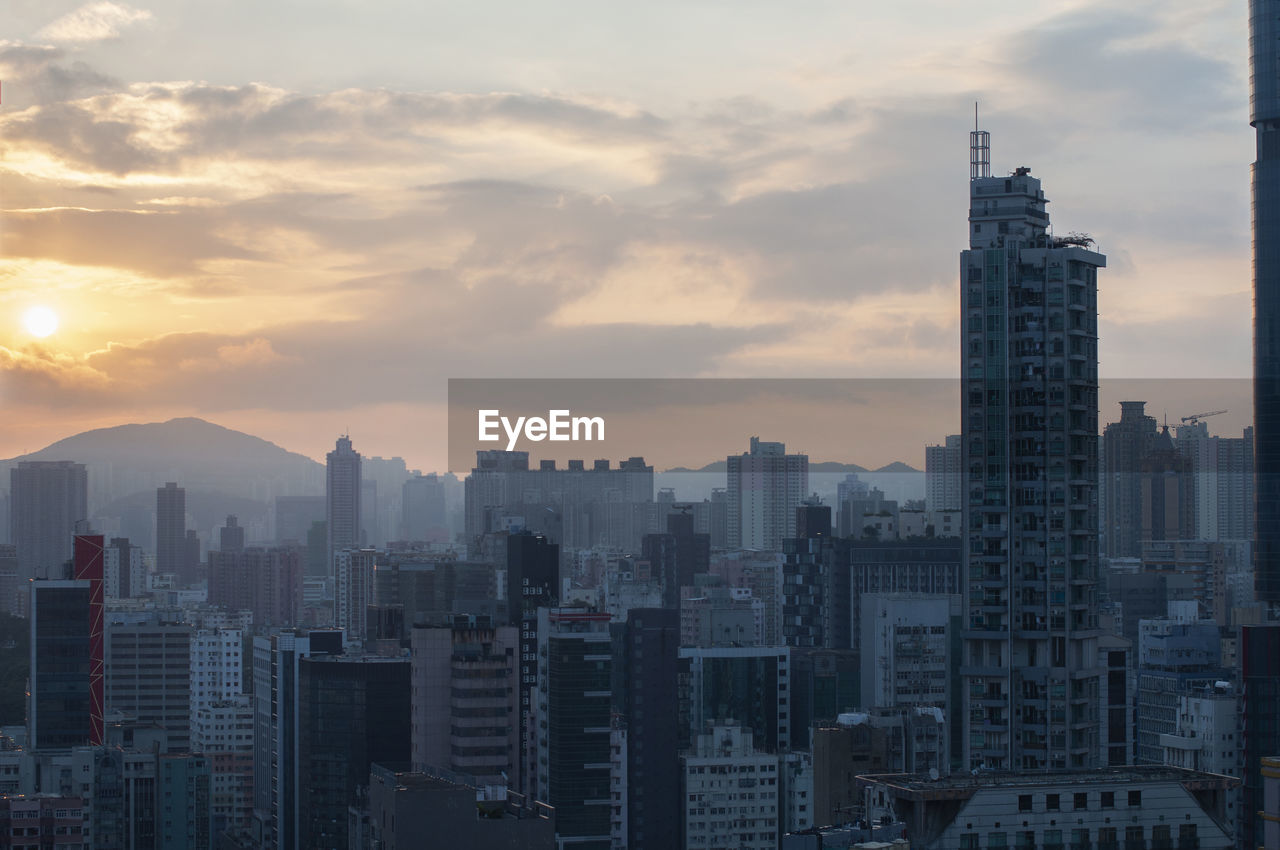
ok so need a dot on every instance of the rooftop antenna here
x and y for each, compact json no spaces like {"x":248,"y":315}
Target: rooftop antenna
{"x":979,"y":149}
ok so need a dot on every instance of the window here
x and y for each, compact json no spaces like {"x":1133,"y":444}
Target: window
{"x":1051,"y":802}
{"x":1135,"y":799}
{"x":1108,"y":799}
{"x":1024,"y":802}
{"x":1081,"y":802}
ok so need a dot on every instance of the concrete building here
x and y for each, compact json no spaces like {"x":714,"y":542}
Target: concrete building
{"x":1030,"y":418}
{"x":1208,"y":737}
{"x":422,"y":507}
{"x":343,"y":521}
{"x":267,"y":582}
{"x":765,"y":486}
{"x":124,"y":569}
{"x":1116,"y":657}
{"x":1124,"y":446}
{"x":465,"y":698}
{"x":222,"y":725}
{"x":171,"y":532}
{"x":718,"y":812}
{"x":412,"y":810}
{"x":46,"y":500}
{"x":807,"y":581}
{"x":1139,"y":806}
{"x":1174,"y":661}
{"x":906,"y":651}
{"x":944,"y":475}
{"x":353,"y":590}
{"x":148,"y":677}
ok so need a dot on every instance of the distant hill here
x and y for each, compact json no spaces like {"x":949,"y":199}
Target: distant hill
{"x":823,"y":466}
{"x":131,"y":459}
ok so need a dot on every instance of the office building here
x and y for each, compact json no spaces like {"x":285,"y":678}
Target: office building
{"x":748,"y":685}
{"x":1260,"y":697}
{"x":574,"y":718}
{"x":906,"y":650}
{"x":1175,"y":660}
{"x":806,"y":579}
{"x":1030,"y":418}
{"x":148,"y":677}
{"x":765,"y":486}
{"x":46,"y":500}
{"x":267,"y":582}
{"x":67,"y":690}
{"x":1264,"y":116}
{"x":353,"y":711}
{"x":906,"y":566}
{"x":183,"y":814}
{"x":343,"y":521}
{"x":646,"y":688}
{"x":277,"y":775}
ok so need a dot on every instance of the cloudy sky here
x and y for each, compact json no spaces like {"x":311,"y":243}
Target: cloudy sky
{"x":299,"y":217}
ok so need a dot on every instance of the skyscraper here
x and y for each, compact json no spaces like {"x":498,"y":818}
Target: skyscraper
{"x":1030,"y":420}
{"x":171,"y":530}
{"x":766,"y":485}
{"x":342,"y":499}
{"x":943,"y":475}
{"x":1264,"y":61}
{"x":1126,"y":443}
{"x":46,"y":500}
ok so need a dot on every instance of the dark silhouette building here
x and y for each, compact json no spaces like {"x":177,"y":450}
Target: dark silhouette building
{"x":533,"y":581}
{"x":1124,"y":446}
{"x":353,"y":712}
{"x":1264,"y":61}
{"x":342,"y":500}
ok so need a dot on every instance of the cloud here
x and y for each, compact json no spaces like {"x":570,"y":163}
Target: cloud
{"x":93,"y":22}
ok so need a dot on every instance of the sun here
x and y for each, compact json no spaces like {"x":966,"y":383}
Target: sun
{"x":40,"y":321}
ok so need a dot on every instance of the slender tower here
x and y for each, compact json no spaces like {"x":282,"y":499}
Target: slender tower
{"x":1030,"y":463}
{"x":1264,"y":50}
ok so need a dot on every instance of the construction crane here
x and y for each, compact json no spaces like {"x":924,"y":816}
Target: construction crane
{"x":1196,"y":417}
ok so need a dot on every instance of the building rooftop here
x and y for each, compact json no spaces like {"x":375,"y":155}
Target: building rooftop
{"x":922,"y":787}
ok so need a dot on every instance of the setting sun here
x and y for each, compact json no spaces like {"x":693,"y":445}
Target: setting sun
{"x":40,"y":321}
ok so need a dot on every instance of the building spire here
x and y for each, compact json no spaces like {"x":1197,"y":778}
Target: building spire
{"x":979,"y":149}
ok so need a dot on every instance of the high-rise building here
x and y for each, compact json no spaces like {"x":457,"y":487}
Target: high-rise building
{"x":944,"y":475}
{"x":1125,"y":444}
{"x":465,"y":699}
{"x":277,"y":774}
{"x":749,"y":685}
{"x":353,"y":589}
{"x":46,"y":500}
{"x":295,"y":515}
{"x":1168,"y":500}
{"x":171,"y":531}
{"x":716,"y":813}
{"x":1264,"y":61}
{"x":533,"y":581}
{"x":342,"y":499}
{"x":148,"y":677}
{"x":806,"y":579}
{"x":1030,"y":419}
{"x":906,"y":650}
{"x":574,"y":716}
{"x":1260,"y":697}
{"x":766,"y":485}
{"x":66,"y":679}
{"x":267,"y":582}
{"x":124,"y":570}
{"x":645,"y":692}
{"x":422,"y":509}
{"x":222,"y":725}
{"x":353,"y":712}
{"x":231,"y":535}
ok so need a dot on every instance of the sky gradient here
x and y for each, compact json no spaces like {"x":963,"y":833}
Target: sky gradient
{"x":300,"y":217}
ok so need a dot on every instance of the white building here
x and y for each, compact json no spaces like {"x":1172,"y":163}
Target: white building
{"x":124,"y":571}
{"x":765,"y":486}
{"x":906,"y":653}
{"x":217,"y":667}
{"x":1208,"y":737}
{"x":944,"y":475}
{"x":731,"y":793}
{"x":353,"y":590}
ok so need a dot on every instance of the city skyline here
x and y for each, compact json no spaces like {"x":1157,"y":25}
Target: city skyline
{"x":381,"y":224}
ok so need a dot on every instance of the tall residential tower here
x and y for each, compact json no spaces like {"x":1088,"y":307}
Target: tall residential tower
{"x":342,"y":499}
{"x":1030,"y":428}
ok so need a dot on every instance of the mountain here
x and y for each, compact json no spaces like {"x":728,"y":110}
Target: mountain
{"x":822,"y":466}
{"x":128,"y":460}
